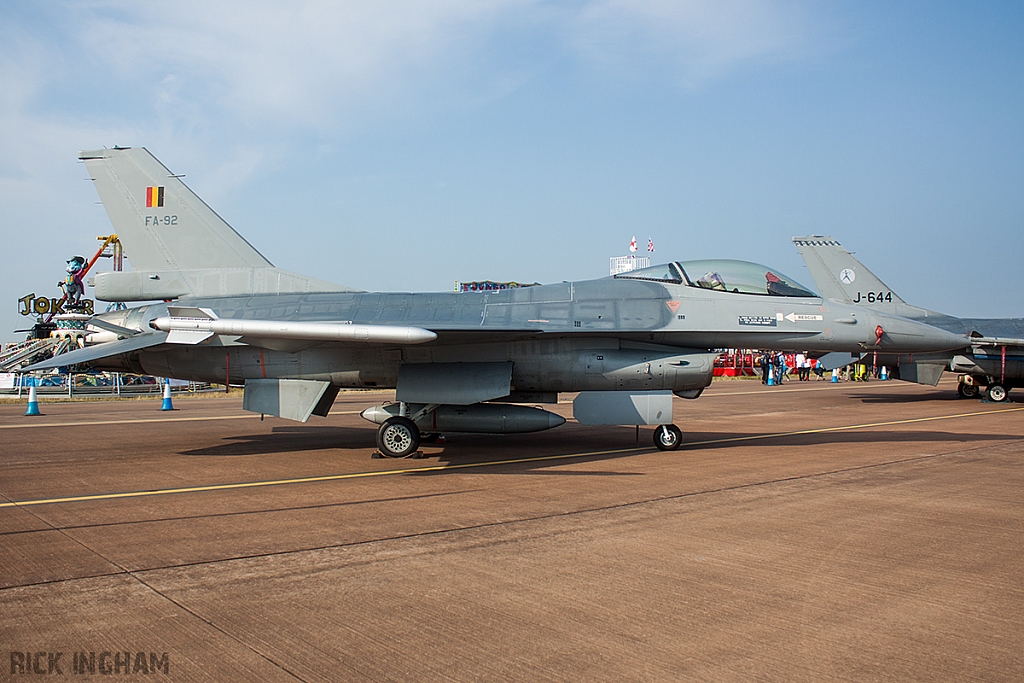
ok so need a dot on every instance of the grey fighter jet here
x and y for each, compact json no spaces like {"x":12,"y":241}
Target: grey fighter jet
{"x":460,"y":362}
{"x":992,"y":358}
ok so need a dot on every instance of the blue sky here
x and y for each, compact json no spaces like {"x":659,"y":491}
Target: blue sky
{"x":405,"y":145}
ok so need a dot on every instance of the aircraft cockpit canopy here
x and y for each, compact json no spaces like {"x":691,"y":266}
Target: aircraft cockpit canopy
{"x":723,"y":275}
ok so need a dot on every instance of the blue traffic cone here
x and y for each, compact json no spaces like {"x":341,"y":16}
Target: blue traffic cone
{"x":167,"y":405}
{"x":771,"y":377}
{"x":885,"y":373}
{"x":33,"y":402}
{"x":835,"y":376}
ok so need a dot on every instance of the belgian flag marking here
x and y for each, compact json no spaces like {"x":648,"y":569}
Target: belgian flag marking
{"x":154,"y":197}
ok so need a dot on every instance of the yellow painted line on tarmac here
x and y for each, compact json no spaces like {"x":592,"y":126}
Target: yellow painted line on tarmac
{"x":248,"y":416}
{"x":777,"y":390}
{"x":847,"y":428}
{"x":36,"y":425}
{"x":491,"y":463}
{"x":304,"y":480}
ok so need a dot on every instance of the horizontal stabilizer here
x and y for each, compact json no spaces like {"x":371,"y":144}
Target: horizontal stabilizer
{"x":98,"y":351}
{"x":285,"y":329}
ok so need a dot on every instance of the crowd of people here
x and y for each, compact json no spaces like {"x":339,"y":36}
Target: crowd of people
{"x":780,"y":366}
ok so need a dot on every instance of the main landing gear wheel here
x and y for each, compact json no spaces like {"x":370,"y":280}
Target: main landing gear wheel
{"x":996,"y":393}
{"x":967,"y":390}
{"x":667,"y":437}
{"x":398,"y":437}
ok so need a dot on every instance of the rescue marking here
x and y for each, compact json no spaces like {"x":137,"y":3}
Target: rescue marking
{"x":491,"y":463}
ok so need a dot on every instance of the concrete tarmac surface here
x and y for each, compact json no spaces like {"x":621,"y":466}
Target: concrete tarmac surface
{"x":808,"y":532}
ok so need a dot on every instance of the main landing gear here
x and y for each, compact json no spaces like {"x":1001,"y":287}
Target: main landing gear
{"x":995,"y":392}
{"x":667,"y":437}
{"x":398,"y":437}
{"x":965,"y":390}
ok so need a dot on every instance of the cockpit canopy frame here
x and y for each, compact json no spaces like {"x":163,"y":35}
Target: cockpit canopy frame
{"x":723,"y":275}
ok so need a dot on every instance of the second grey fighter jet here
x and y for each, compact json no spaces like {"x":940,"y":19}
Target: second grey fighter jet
{"x":992,"y":358}
{"x":460,"y":362}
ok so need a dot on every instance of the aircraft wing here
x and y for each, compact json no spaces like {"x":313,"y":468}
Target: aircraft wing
{"x":274,"y":334}
{"x":90,"y":353}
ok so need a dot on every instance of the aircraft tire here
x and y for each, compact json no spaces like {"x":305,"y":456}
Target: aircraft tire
{"x":667,"y":437}
{"x":398,"y":437}
{"x":967,"y":390}
{"x":996,"y":393}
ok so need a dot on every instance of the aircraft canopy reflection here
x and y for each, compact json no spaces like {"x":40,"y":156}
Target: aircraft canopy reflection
{"x":723,"y":275}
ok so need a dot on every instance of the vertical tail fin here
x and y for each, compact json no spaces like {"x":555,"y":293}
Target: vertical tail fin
{"x":838,"y":275}
{"x":161,"y":222}
{"x":176,"y":244}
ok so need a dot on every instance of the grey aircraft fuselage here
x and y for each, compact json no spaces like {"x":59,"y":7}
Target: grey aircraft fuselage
{"x":605,"y":334}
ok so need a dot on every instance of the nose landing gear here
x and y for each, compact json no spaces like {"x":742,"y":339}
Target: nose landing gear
{"x":667,"y":437}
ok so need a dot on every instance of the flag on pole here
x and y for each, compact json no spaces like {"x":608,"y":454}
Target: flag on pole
{"x":650,"y":244}
{"x":632,"y":244}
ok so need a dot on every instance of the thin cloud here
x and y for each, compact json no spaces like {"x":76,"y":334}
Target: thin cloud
{"x":303,"y":63}
{"x":697,"y":39}
{"x":336,"y":66}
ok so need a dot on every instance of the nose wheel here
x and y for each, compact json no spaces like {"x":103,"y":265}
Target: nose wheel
{"x":398,"y":437}
{"x":667,"y":437}
{"x":996,"y":393}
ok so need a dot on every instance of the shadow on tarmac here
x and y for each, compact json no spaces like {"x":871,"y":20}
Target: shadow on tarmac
{"x":575,"y":441}
{"x":457,"y":452}
{"x":290,"y":440}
